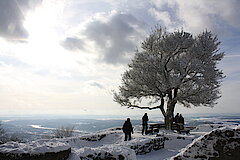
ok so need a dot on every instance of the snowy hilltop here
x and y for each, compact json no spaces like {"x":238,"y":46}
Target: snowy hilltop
{"x":110,"y":144}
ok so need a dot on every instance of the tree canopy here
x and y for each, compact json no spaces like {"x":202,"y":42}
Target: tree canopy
{"x":173,"y":68}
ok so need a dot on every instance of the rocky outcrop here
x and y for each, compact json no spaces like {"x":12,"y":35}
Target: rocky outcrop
{"x":35,"y":150}
{"x":219,"y":144}
{"x":107,"y":152}
{"x":143,"y":146}
{"x":96,"y":137}
{"x":61,"y":155}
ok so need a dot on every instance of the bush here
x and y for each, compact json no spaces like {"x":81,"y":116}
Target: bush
{"x":64,"y":132}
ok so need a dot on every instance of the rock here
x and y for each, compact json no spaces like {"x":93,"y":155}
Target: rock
{"x":35,"y":150}
{"x":108,"y":152}
{"x":61,"y":155}
{"x":181,"y":138}
{"x":143,"y":146}
{"x":221,"y":143}
{"x":97,"y":137}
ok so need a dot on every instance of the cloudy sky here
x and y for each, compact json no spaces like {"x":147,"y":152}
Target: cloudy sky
{"x":66,"y":56}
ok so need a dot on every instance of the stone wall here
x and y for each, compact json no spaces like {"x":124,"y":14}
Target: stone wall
{"x":43,"y":149}
{"x":125,"y":150}
{"x":220,"y":144}
{"x":96,"y":137}
{"x":107,"y":152}
{"x":147,"y":145}
{"x":61,"y":155}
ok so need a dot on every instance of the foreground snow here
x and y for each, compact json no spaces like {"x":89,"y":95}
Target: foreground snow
{"x":174,"y":143}
{"x":110,"y":143}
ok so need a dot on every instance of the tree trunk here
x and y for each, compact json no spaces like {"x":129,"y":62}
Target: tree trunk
{"x":168,"y":122}
{"x":169,"y":116}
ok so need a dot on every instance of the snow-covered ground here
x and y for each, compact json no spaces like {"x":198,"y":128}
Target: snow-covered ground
{"x":173,"y":145}
{"x":110,"y":142}
{"x":174,"y":142}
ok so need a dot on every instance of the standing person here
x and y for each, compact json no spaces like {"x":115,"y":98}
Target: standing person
{"x":144,"y":124}
{"x":181,"y":121}
{"x":127,"y":129}
{"x":176,"y":118}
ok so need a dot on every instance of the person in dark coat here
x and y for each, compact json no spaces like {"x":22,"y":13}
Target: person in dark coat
{"x":181,"y":121}
{"x":176,"y":118}
{"x":127,"y":129}
{"x":144,"y":124}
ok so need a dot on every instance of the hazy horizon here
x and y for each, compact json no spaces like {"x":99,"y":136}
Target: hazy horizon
{"x":116,"y":116}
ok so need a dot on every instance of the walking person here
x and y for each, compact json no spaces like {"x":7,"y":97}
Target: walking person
{"x":127,"y":129}
{"x":144,"y":124}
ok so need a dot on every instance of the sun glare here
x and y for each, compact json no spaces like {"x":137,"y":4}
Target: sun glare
{"x":41,"y":23}
{"x":43,"y":46}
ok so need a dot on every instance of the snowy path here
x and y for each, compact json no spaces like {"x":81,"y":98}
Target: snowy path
{"x":171,"y":148}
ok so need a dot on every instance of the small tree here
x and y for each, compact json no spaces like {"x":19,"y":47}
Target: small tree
{"x":64,"y":132}
{"x":173,"y":68}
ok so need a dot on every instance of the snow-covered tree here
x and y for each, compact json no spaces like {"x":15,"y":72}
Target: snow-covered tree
{"x":64,"y":132}
{"x":173,"y":68}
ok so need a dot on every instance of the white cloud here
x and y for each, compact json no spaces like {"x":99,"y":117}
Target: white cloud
{"x":115,"y":36}
{"x":73,"y":43}
{"x":196,"y":16}
{"x":161,"y":15}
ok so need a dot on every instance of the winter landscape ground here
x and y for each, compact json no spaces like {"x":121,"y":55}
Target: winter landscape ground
{"x":111,"y":140}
